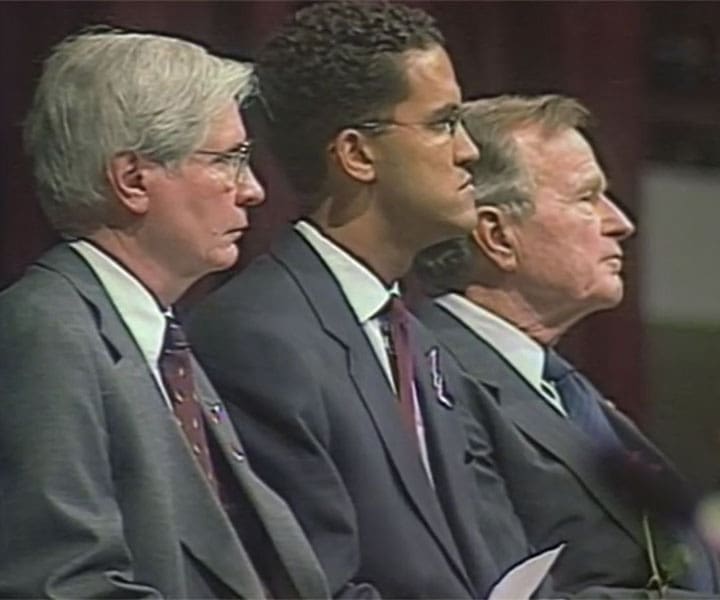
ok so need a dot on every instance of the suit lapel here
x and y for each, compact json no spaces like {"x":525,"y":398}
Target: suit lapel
{"x":441,"y":428}
{"x":211,"y":539}
{"x":530,"y":412}
{"x":290,"y":542}
{"x":334,"y":313}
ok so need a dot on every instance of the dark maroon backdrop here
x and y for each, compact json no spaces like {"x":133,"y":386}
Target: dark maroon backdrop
{"x":595,"y":50}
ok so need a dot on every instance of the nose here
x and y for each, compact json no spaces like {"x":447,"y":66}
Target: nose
{"x":248,"y":190}
{"x":465,"y":149}
{"x":615,"y":222}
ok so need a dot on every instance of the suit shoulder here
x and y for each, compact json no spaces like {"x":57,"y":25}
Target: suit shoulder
{"x":264,"y":283}
{"x":42,"y":298}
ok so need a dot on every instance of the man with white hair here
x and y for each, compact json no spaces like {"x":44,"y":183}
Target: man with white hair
{"x":121,"y":475}
{"x":547,"y":252}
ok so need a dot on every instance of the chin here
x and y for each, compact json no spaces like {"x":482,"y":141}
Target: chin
{"x":467,"y":220}
{"x":610,"y":299}
{"x":463,"y":224}
{"x":223,"y":258}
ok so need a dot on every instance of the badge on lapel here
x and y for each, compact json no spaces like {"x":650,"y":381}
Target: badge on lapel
{"x":437,"y":380}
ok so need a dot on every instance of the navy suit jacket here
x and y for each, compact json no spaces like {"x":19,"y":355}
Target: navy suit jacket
{"x":550,"y":468}
{"x":321,"y":425}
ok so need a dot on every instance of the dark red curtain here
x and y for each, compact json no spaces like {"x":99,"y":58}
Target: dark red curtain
{"x":594,"y":50}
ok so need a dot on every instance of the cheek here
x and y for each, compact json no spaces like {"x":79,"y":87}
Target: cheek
{"x":555,"y":264}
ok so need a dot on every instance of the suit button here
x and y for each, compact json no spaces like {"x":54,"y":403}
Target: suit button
{"x":238,"y":454}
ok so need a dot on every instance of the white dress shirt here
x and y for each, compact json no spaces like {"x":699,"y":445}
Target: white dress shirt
{"x":366,"y":295}
{"x":138,"y":308}
{"x":525,"y":355}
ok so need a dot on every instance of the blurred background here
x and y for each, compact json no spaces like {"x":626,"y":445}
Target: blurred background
{"x":649,"y":71}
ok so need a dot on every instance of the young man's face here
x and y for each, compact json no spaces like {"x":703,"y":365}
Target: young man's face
{"x":423,"y":188}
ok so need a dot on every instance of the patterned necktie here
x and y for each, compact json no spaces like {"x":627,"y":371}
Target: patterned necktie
{"x":581,"y":400}
{"x":395,"y":324}
{"x":176,"y":370}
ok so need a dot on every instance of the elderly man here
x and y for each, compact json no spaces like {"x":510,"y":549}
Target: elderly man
{"x":352,"y":422}
{"x":546,"y":252}
{"x":121,"y":475}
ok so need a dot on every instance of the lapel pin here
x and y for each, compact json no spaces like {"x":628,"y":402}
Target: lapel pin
{"x":437,"y":380}
{"x":216,"y":411}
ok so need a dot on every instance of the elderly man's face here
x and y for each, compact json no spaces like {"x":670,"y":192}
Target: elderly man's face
{"x":569,"y":253}
{"x":423,"y":186}
{"x":198,"y":211}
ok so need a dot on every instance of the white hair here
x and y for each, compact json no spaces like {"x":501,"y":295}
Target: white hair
{"x":105,"y":92}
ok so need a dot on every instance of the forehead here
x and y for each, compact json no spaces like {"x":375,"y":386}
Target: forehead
{"x":430,"y":80}
{"x":226,"y":130}
{"x":561,"y":160}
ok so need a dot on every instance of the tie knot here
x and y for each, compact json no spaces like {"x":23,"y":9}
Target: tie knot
{"x":175,"y":340}
{"x":398,"y":310}
{"x":393,"y":312}
{"x":556,"y":367}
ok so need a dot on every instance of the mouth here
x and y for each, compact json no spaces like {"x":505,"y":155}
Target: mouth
{"x":468,"y":183}
{"x":236,"y":232}
{"x":615,"y":261}
{"x":242,"y":226}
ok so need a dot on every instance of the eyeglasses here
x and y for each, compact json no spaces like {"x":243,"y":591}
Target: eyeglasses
{"x":232,"y":164}
{"x":445,"y":126}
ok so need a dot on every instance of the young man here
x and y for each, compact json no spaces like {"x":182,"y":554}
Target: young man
{"x":352,"y":422}
{"x":121,"y":474}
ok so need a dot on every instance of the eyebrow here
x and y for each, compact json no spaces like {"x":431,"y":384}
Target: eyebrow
{"x":445,"y":111}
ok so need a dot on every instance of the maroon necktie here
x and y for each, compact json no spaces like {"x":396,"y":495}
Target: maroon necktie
{"x":176,"y":370}
{"x":401,"y":360}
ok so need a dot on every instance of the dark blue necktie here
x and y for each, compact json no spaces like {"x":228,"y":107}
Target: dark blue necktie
{"x":581,"y":400}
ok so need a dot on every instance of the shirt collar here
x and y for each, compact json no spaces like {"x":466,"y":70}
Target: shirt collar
{"x":138,"y":308}
{"x":365,"y":293}
{"x":520,"y":350}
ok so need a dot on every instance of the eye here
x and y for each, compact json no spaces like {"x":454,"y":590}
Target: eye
{"x":224,"y":159}
{"x":446,"y":125}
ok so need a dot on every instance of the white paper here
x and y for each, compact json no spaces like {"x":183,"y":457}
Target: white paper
{"x":523,"y":579}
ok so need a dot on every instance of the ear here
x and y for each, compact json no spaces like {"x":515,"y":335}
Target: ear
{"x":494,"y":235}
{"x":126,"y":174}
{"x":354,"y":155}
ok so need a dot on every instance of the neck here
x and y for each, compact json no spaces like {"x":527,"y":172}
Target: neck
{"x":368,"y":239}
{"x":124,"y":248}
{"x":545,"y":327}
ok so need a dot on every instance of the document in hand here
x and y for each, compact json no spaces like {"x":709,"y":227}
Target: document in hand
{"x":523,"y":579}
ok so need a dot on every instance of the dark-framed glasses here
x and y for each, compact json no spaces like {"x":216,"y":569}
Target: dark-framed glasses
{"x":233,"y":163}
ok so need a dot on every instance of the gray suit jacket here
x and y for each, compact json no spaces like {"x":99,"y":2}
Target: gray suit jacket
{"x":99,"y":495}
{"x":552,"y":476}
{"x":321,"y":426}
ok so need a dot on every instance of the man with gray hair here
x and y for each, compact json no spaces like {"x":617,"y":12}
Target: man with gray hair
{"x":545,"y":253}
{"x":121,"y":474}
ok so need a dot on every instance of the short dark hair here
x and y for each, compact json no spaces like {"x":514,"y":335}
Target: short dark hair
{"x":500,"y":177}
{"x":334,"y":64}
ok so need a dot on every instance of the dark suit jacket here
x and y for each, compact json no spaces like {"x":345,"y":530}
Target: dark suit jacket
{"x":99,"y":495}
{"x":321,"y":425}
{"x":552,"y":476}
